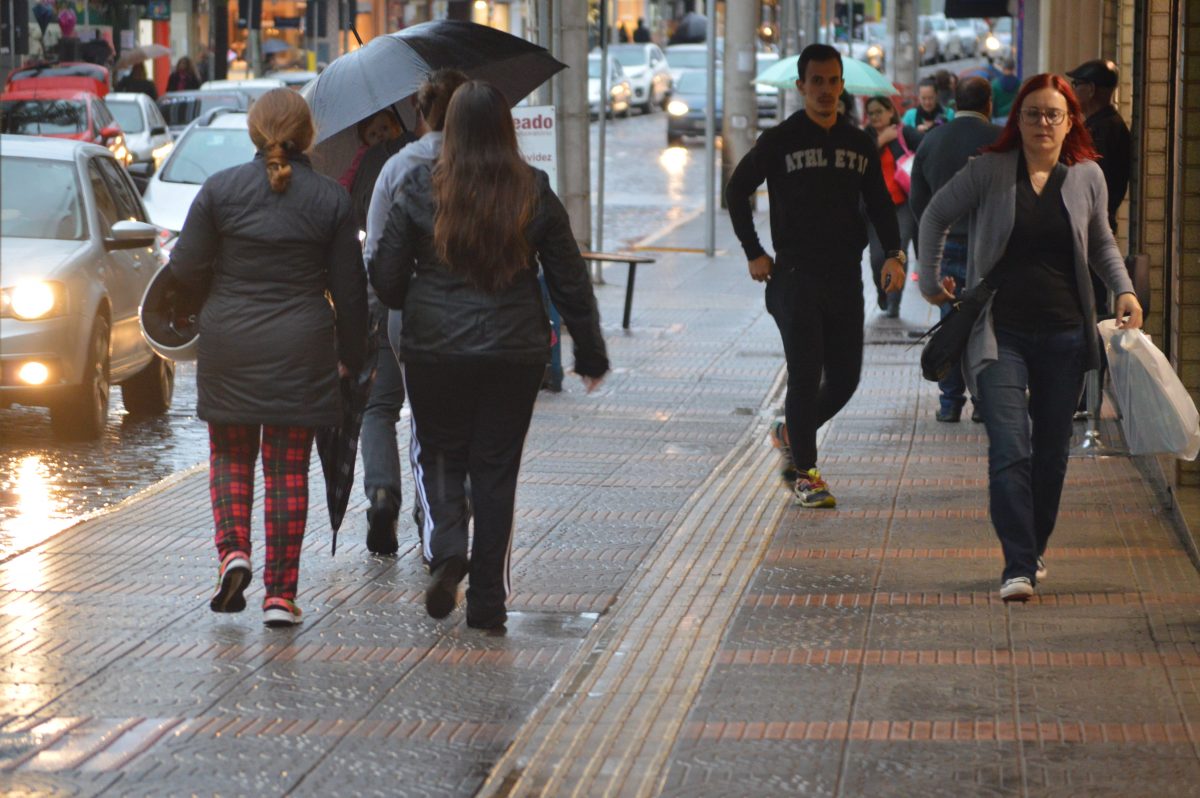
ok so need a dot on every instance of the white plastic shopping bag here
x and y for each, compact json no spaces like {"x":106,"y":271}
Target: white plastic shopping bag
{"x":1157,"y":414}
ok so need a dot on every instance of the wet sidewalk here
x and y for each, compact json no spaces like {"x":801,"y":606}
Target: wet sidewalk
{"x":678,"y":628}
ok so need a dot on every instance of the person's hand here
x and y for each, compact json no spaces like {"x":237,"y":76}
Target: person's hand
{"x":591,"y":383}
{"x":343,"y":372}
{"x":760,"y":268}
{"x":1128,"y":312}
{"x":924,"y":126}
{"x":886,"y":136}
{"x":891,"y":277}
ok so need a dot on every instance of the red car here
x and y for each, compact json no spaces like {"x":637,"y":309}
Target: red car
{"x":62,"y":113}
{"x":77,"y":75}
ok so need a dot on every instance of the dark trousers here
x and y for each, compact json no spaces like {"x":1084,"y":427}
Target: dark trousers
{"x":954,"y":264}
{"x":1029,"y":436}
{"x":818,"y":308}
{"x":908,"y":234}
{"x":470,"y":421}
{"x":381,"y":457}
{"x":233,"y":451}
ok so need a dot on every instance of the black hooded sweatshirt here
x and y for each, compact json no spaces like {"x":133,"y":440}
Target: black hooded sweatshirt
{"x":815,"y":179}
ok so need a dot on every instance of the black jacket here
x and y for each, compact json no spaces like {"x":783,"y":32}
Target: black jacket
{"x":1113,"y":142}
{"x":945,"y":150}
{"x":270,"y":340}
{"x":447,"y":320}
{"x":815,"y":178}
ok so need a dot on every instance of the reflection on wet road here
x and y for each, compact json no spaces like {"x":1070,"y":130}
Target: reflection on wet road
{"x":45,"y":485}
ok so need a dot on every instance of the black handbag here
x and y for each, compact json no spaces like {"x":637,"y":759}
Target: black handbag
{"x":948,"y":338}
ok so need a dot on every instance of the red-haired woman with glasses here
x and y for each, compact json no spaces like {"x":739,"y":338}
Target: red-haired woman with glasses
{"x":1038,"y":221}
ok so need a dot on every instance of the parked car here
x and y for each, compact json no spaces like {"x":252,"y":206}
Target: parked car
{"x":78,"y":253}
{"x":940,"y":30}
{"x":686,"y":110}
{"x":687,"y":57}
{"x":146,"y":135}
{"x":251,"y":87}
{"x":619,"y":91}
{"x":971,"y":35}
{"x":218,"y":140}
{"x":767,"y":97}
{"x":62,"y":113}
{"x":646,"y":68}
{"x":77,"y":75}
{"x":181,"y":108}
{"x":293,"y":78}
{"x":875,"y":35}
{"x":999,"y":43}
{"x":928,"y":48}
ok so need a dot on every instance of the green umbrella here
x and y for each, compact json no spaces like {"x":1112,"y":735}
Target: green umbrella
{"x":860,"y":78}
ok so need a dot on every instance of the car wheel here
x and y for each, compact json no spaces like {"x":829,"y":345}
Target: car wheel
{"x":83,"y":414}
{"x":674,"y":140}
{"x":149,"y":392}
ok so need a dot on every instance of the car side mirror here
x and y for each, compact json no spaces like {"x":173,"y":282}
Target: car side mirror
{"x":131,"y":235}
{"x":110,"y":132}
{"x":158,"y":131}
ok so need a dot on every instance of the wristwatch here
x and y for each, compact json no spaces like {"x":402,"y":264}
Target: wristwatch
{"x":899,"y":255}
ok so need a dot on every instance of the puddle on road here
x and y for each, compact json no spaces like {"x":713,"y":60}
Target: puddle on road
{"x":45,"y":484}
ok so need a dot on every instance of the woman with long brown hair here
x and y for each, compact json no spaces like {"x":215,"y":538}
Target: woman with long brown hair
{"x":269,"y":240}
{"x":459,"y":255}
{"x":1038,"y":212}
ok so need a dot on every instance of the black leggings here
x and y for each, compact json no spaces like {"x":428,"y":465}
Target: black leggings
{"x":819,"y":312}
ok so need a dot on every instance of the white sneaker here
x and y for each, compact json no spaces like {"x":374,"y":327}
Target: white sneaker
{"x":1019,"y":588}
{"x":1041,"y":569}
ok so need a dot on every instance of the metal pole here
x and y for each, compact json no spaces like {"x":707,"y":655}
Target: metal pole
{"x":598,"y":269}
{"x":710,"y":137}
{"x":14,"y":62}
{"x":740,"y":108}
{"x":571,"y":43}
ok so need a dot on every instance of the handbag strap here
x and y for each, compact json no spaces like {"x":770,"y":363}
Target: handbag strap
{"x":900,"y":138}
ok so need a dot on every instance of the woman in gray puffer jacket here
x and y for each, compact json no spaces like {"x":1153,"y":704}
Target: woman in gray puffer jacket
{"x":272,"y":242}
{"x":459,"y":256}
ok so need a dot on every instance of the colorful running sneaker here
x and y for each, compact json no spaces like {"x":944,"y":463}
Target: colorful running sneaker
{"x":811,"y":490}
{"x":232,"y":580}
{"x":280,"y":612}
{"x":779,"y":439}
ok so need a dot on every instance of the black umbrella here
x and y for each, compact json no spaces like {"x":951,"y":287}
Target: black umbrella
{"x":338,"y":446}
{"x":692,"y":29}
{"x":388,"y":69}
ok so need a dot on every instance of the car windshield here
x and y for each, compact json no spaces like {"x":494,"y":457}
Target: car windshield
{"x":204,"y":151}
{"x":687,"y":59}
{"x":695,"y":82}
{"x":179,"y":111}
{"x":938,"y":24}
{"x":47,"y":206}
{"x":1002,"y":25}
{"x":874,"y":31}
{"x":127,"y":114}
{"x":628,"y":56}
{"x":43,"y":117}
{"x":594,"y":68}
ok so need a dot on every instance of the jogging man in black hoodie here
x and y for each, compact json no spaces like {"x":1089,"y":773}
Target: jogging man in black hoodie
{"x":817,"y":167}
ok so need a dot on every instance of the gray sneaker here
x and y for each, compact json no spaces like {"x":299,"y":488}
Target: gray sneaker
{"x":1019,"y":588}
{"x":1042,"y":571}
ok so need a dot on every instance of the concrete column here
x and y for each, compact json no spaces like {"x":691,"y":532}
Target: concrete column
{"x":740,"y":112}
{"x":570,"y":20}
{"x":905,"y":57}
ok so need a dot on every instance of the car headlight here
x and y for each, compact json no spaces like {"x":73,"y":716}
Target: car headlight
{"x":677,"y":108}
{"x":874,"y":51}
{"x":991,"y":42}
{"x":160,"y":153}
{"x":36,"y":299}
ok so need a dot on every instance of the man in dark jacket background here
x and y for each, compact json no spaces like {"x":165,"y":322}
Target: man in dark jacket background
{"x":943,"y":152}
{"x":818,"y":169}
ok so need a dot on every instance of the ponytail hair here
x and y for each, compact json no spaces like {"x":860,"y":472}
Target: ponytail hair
{"x":280,"y":126}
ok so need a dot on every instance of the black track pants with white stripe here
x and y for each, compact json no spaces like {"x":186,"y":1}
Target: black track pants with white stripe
{"x":470,"y":420}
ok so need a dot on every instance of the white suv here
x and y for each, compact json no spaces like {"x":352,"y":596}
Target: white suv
{"x":649,"y":76}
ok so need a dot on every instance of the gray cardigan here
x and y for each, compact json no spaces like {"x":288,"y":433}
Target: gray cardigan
{"x":986,"y":190}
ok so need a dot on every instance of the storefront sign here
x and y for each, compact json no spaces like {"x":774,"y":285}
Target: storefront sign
{"x":536,"y":136}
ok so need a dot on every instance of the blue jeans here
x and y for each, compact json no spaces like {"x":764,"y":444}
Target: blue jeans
{"x":556,"y":367}
{"x":381,"y":457}
{"x":1029,"y":438}
{"x":954,"y":264}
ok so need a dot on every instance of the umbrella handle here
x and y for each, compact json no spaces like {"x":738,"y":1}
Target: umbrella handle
{"x":354,"y":30}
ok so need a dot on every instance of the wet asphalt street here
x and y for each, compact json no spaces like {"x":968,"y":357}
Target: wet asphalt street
{"x":46,"y":485}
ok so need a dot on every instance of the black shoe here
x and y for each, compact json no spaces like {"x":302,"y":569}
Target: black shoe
{"x":552,"y":382}
{"x":441,"y":594}
{"x":381,"y":525}
{"x":976,"y":415}
{"x":491,"y":619}
{"x":951,"y":416}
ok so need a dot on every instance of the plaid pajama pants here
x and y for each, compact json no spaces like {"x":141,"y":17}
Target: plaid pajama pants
{"x":233,"y":451}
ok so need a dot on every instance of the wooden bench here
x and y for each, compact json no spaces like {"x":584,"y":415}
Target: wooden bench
{"x":633,"y":260}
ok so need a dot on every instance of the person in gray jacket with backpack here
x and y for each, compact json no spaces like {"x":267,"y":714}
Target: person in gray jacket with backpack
{"x":1038,"y":219}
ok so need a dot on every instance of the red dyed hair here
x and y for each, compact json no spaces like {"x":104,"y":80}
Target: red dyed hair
{"x":1077,"y":146}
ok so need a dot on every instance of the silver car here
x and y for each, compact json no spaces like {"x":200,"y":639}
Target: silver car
{"x":77,"y":253}
{"x":649,"y":76}
{"x":146,"y":135}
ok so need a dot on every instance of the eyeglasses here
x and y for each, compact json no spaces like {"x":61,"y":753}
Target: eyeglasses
{"x":1034,"y":116}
